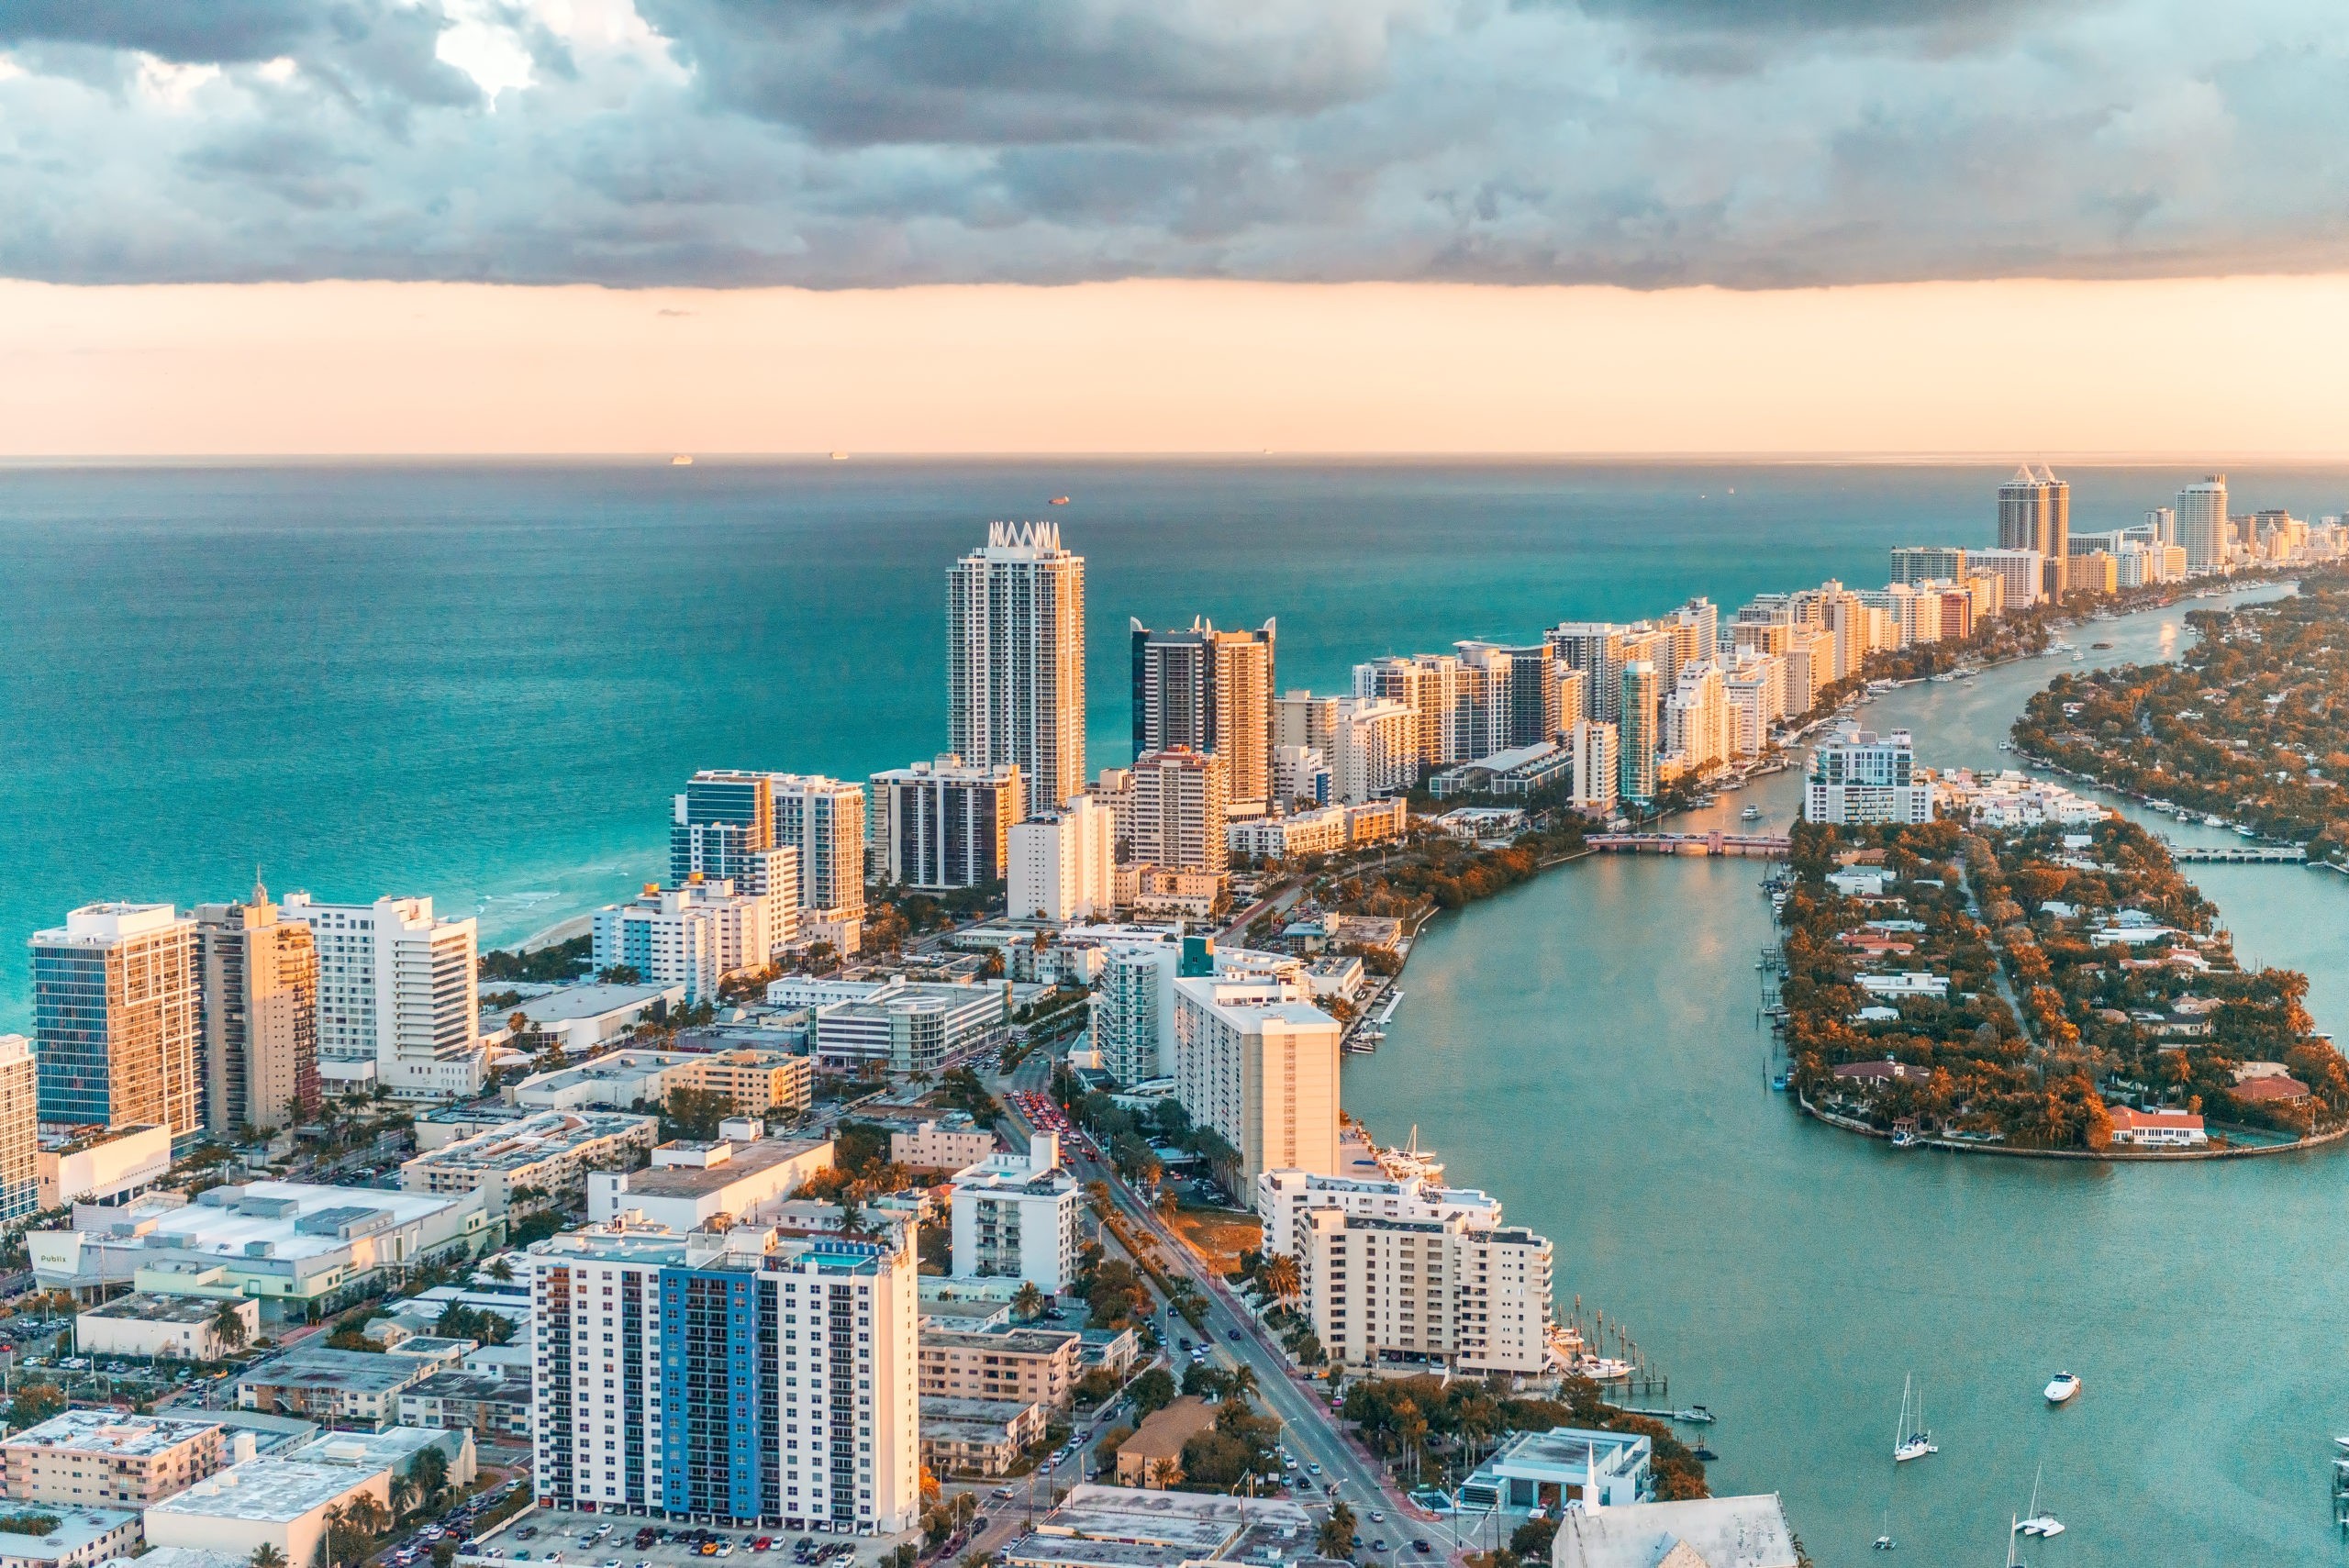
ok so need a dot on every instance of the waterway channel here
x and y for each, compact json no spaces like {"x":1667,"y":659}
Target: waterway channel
{"x":1588,"y":1049}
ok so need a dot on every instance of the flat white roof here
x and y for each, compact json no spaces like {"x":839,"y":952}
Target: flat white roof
{"x":264,"y":1491}
{"x":110,"y":1431}
{"x":76,"y":1528}
{"x":224,"y":1230}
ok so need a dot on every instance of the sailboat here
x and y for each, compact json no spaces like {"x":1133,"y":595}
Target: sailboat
{"x":2035,"y":1522}
{"x":1911,"y":1440}
{"x":1884,"y":1542}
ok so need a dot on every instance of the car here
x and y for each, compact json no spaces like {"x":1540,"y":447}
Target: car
{"x":726,"y":1548}
{"x":708,"y":1549}
{"x":1421,"y":1546}
{"x":527,"y":1532}
{"x":1231,"y":1334}
{"x":1314,"y":1468}
{"x":553,"y":1557}
{"x":1378,"y":1518}
{"x":1005,"y":1492}
{"x":1379,"y":1545}
{"x":614,"y":1563}
{"x":521,"y":1557}
{"x":602,"y":1531}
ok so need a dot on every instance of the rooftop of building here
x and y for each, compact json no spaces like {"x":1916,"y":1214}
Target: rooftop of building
{"x":513,"y":1384}
{"x":612,"y":1067}
{"x":432,"y":1345}
{"x":960,"y":1316}
{"x":83,"y":1139}
{"x":355,"y":1372}
{"x":1012,"y":1342}
{"x":271,"y":1433}
{"x":156,"y":1310}
{"x":77,"y":1530}
{"x":545,"y":1136}
{"x":389,"y":1449}
{"x":1163,"y":1431}
{"x":935,"y":1409}
{"x":593,"y":1001}
{"x":1721,"y":1532}
{"x":264,"y":1491}
{"x":188,"y":1557}
{"x":477,"y":1111}
{"x":742,"y":1162}
{"x":294,"y":1219}
{"x":1202,"y":1526}
{"x":112,"y":1432}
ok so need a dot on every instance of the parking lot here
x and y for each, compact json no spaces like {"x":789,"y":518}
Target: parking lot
{"x":571,"y":1539}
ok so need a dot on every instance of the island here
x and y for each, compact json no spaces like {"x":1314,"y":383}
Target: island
{"x":2250,"y":724}
{"x":2055,"y":987}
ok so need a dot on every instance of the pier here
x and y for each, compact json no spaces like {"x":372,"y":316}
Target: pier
{"x":1763,"y":845}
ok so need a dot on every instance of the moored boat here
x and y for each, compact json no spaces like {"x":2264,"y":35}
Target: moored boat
{"x":2061,"y":1388}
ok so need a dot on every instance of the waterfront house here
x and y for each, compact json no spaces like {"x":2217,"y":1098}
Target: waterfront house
{"x":2157,"y":1129}
{"x":1870,"y":1073}
{"x":2268,"y":1088}
{"x":1908,"y":983}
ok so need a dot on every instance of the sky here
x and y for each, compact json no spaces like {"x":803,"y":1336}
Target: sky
{"x":1440,"y":225}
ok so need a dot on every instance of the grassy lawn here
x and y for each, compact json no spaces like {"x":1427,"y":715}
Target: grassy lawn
{"x":1219,"y":1234}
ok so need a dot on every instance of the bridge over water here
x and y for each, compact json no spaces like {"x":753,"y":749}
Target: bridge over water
{"x":1762,"y":845}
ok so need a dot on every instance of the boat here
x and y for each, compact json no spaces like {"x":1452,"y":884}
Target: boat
{"x":1884,"y":1542}
{"x":1059,"y":501}
{"x":839,"y":457}
{"x":2062,"y":1386}
{"x":2241,"y":832}
{"x":1910,"y":1438}
{"x":2035,"y":1522}
{"x":683,"y":460}
{"x":1778,"y":1081}
{"x":1751,"y":814}
{"x":2213,"y":822}
{"x":1699,"y":1414}
{"x":1904,"y":1139}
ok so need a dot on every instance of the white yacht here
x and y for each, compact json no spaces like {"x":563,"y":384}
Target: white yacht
{"x":1910,"y":1438}
{"x":2035,"y":1522}
{"x":2061,"y":1388}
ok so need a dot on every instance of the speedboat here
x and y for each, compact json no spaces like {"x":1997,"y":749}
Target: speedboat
{"x":2062,"y":1386}
{"x":1751,"y":814}
{"x":2214,"y":822}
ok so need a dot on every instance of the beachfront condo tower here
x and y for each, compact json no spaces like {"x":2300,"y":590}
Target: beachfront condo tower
{"x":1015,"y":640}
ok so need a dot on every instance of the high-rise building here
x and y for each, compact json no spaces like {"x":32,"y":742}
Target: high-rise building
{"x":1064,"y":864}
{"x":1180,"y":806}
{"x":1641,"y":700}
{"x":2035,"y":513}
{"x":1512,"y":693}
{"x":116,"y":1020}
{"x":1015,"y":633}
{"x":1696,"y":628}
{"x":398,"y":1002}
{"x":1431,"y":686}
{"x":1373,"y":750}
{"x":1755,"y":690}
{"x":1597,"y":768}
{"x":1259,"y":1065}
{"x":823,"y":819}
{"x":1915,"y":563}
{"x":1695,"y":720}
{"x":724,"y":816}
{"x":259,"y":980}
{"x":693,"y":936}
{"x":1301,"y":774}
{"x":1862,"y":777}
{"x":1574,"y":698}
{"x":763,"y":1375}
{"x":1301,"y":718}
{"x":2202,"y":523}
{"x":1594,"y":648}
{"x":2161,"y":524}
{"x":1212,"y":691}
{"x":948,"y":823}
{"x":19,"y":1129}
{"x":2024,"y":572}
{"x":1015,"y":1217}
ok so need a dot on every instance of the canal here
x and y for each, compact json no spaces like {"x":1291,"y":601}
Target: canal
{"x":1588,"y":1049}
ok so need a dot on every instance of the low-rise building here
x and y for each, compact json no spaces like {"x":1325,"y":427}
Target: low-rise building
{"x":550,"y":1152}
{"x":82,"y":1536}
{"x":617,"y":1080}
{"x":2156,"y":1130}
{"x":1036,"y":1366}
{"x":1597,"y":1469}
{"x":907,"y":1026}
{"x":188,"y":1327}
{"x":1335,"y":974}
{"x":688,"y":1182}
{"x":1016,"y":1214}
{"x":109,"y":1458}
{"x":941,"y":1143}
{"x":1905,"y":982}
{"x":1521,"y":770}
{"x":1122,"y":1526}
{"x":278,"y":1503}
{"x":492,"y":1404}
{"x":1701,"y":1532}
{"x":1153,"y":1456}
{"x":578,"y":1018}
{"x":295,"y":1247}
{"x":443,"y":1125}
{"x":337,"y":1388}
{"x":977,"y":1437}
{"x":757,"y":1081}
{"x":107,"y":1167}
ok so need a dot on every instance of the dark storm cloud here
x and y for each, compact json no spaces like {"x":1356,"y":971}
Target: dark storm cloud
{"x":1750,"y":143}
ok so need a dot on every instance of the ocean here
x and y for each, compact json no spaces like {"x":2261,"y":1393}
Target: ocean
{"x":483,"y":680}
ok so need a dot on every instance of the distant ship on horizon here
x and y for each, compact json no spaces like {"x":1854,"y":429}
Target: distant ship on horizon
{"x":683,"y":460}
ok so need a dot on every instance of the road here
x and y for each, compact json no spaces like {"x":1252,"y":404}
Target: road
{"x":1308,"y":1429}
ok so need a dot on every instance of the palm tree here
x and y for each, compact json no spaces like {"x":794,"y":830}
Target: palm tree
{"x":229,"y":1326}
{"x":1028,"y":1304}
{"x":1280,"y":1277}
{"x":405,"y":1495}
{"x":431,"y":1472}
{"x":1240,"y":1382}
{"x":1337,"y":1534}
{"x":501,"y":1271}
{"x":266,"y":1556}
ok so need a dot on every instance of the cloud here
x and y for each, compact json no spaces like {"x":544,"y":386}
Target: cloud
{"x":838,"y":143}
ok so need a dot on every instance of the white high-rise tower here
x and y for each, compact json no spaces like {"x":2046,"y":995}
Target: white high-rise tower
{"x":2202,"y":522}
{"x":1015,"y":634}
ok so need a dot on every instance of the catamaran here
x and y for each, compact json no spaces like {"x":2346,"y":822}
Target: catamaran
{"x":1909,"y":1440}
{"x":2035,"y":1522}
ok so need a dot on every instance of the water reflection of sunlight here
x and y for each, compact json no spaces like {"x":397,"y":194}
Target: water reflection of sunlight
{"x":2169,"y":637}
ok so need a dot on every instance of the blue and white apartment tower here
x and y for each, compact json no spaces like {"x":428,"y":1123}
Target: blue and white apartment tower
{"x":763,"y":1375}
